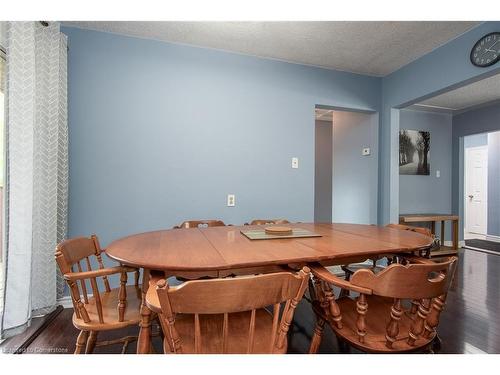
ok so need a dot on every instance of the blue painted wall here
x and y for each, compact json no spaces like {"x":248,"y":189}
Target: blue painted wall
{"x":345,"y":180}
{"x":161,"y":132}
{"x":426,"y":194}
{"x":476,"y":140}
{"x":442,"y":69}
{"x":494,"y":184}
{"x":354,"y":187}
{"x":480,"y":120}
{"x":429,"y":194}
{"x":323,"y":173}
{"x":151,"y":119}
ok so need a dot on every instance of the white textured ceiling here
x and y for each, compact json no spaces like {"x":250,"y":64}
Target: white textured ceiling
{"x":477,"y":93}
{"x":373,"y":48}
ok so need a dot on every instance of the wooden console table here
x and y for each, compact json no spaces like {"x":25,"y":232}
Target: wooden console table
{"x":433,"y":218}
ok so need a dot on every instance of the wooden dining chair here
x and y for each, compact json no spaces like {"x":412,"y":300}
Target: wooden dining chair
{"x":349,"y":269}
{"x":80,"y":262}
{"x":228,"y":315}
{"x":268,"y":221}
{"x":200,"y":224}
{"x":426,"y":253}
{"x":397,"y":310}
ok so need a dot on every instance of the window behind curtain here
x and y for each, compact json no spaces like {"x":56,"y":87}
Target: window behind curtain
{"x":2,"y":174}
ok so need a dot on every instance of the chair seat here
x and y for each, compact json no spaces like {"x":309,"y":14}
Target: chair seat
{"x":109,"y":301}
{"x":375,"y":340}
{"x":211,"y":332}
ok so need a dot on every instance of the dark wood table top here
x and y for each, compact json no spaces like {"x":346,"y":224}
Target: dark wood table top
{"x":222,"y":248}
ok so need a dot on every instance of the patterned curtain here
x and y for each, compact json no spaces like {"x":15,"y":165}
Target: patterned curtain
{"x":37,"y":170}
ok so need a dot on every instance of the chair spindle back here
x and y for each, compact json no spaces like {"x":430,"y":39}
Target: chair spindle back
{"x":268,"y":221}
{"x":200,"y":224}
{"x":233,"y":295}
{"x":425,"y":284}
{"x":74,"y":258}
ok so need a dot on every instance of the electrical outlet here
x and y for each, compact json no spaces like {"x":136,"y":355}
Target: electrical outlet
{"x":231,"y":200}
{"x":438,"y":173}
{"x":365,"y":151}
{"x":295,"y":163}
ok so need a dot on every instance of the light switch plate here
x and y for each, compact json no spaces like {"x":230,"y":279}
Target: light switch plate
{"x":295,"y":163}
{"x":365,"y":151}
{"x":438,"y":173}
{"x":231,"y":200}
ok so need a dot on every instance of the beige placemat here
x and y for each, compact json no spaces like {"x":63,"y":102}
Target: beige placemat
{"x":260,"y":234}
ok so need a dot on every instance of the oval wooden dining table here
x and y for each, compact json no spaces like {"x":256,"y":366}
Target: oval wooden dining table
{"x":222,"y":251}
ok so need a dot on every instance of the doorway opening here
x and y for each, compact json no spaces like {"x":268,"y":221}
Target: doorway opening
{"x":476,"y":186}
{"x":2,"y":171}
{"x":481,"y":171}
{"x":462,"y":181}
{"x":346,"y":166}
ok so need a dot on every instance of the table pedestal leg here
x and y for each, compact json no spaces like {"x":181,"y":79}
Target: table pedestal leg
{"x":455,"y":234}
{"x":144,"y":339}
{"x":442,"y":232}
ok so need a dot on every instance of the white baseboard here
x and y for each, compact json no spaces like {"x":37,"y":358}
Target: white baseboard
{"x":65,"y":302}
{"x":490,"y":237}
{"x":450,"y":243}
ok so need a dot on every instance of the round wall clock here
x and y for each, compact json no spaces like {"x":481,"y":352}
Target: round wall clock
{"x":486,"y":51}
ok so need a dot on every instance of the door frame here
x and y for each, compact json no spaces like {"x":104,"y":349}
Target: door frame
{"x":374,"y":155}
{"x":467,"y":152}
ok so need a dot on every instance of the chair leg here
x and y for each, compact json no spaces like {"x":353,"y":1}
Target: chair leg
{"x":91,"y":342}
{"x":436,"y":344}
{"x":144,"y":340}
{"x":343,"y":346}
{"x":317,"y":336}
{"x":312,"y":291}
{"x":160,"y":329}
{"x":81,"y":341}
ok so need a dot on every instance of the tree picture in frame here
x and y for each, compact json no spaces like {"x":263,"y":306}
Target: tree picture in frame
{"x":414,"y":152}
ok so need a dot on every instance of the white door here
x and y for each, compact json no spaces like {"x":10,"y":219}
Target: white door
{"x":476,"y":189}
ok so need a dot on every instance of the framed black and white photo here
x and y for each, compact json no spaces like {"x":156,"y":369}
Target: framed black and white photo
{"x":414,"y":152}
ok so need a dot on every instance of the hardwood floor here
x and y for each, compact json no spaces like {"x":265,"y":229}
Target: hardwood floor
{"x":469,"y":324}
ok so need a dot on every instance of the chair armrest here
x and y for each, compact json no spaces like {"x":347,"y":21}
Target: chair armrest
{"x":323,"y":274}
{"x":73,"y":276}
